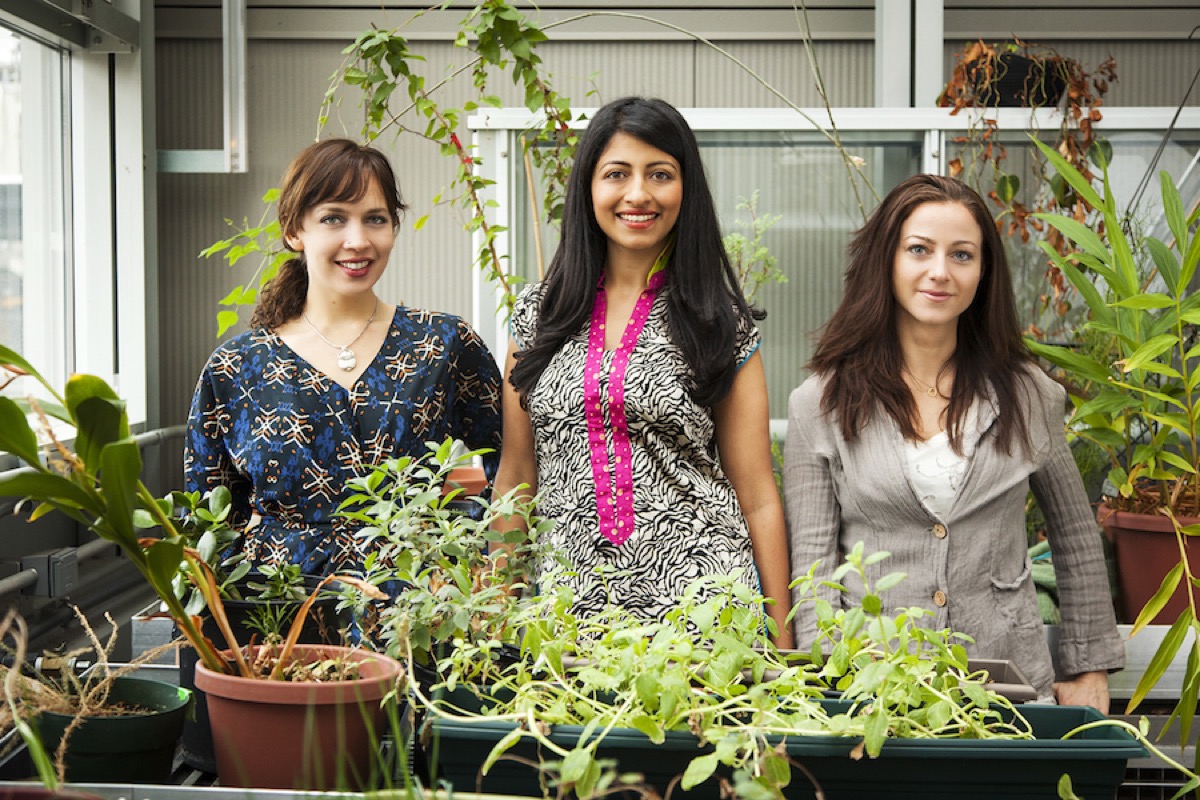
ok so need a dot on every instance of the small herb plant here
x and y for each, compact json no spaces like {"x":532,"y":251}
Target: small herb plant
{"x":707,"y":669}
{"x":450,"y":586}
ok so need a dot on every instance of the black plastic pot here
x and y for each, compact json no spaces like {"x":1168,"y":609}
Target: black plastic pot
{"x":138,"y":748}
{"x":1021,"y":82}
{"x":906,"y":768}
{"x":322,"y":627}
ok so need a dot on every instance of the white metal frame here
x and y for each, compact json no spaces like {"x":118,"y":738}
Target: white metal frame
{"x":85,"y":244}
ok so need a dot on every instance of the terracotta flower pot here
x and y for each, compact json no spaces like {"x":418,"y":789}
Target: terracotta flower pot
{"x":299,"y":735}
{"x":1145,"y":548}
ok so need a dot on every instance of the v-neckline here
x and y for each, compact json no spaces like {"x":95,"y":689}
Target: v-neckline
{"x":349,"y":390}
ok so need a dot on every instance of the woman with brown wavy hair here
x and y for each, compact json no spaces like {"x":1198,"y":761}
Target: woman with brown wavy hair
{"x":922,"y":430}
{"x":331,"y":379}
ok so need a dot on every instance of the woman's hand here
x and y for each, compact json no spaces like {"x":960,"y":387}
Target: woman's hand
{"x":1085,"y":689}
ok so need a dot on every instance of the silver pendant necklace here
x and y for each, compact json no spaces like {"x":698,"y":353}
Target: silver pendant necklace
{"x":345,"y":358}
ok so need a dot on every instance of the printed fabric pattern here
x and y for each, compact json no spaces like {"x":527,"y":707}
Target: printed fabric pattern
{"x":285,"y":438}
{"x":687,"y":519}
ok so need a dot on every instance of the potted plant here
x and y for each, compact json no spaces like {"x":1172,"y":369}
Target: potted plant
{"x":702,"y":703}
{"x":98,"y":485}
{"x":986,"y":76}
{"x":438,"y":550}
{"x":1134,"y":389}
{"x":107,"y":726}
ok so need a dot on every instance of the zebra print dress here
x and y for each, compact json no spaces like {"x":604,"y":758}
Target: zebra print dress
{"x":687,"y":519}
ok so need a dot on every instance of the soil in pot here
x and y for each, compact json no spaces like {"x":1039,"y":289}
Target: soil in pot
{"x":137,"y":748}
{"x":291,"y":735}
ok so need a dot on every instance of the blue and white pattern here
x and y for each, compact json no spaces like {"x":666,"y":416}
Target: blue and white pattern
{"x":285,"y":438}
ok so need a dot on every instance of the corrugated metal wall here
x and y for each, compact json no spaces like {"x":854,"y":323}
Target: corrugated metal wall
{"x":294,"y":50}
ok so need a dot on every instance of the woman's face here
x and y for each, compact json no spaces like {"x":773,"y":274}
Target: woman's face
{"x":637,"y":191}
{"x":346,"y":245}
{"x":937,"y":266}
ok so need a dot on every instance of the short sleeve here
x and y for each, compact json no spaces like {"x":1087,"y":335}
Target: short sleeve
{"x":525,"y":315}
{"x":748,"y":339}
{"x":477,"y":397}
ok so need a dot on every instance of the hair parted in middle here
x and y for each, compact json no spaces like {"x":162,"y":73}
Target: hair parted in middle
{"x":329,"y":171}
{"x":859,"y":353}
{"x":704,"y":300}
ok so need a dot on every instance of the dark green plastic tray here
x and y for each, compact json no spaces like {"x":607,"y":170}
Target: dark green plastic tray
{"x":906,"y":768}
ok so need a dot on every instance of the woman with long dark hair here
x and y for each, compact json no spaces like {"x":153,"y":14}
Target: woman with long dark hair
{"x":922,"y":430}
{"x":636,"y":403}
{"x":331,"y":380}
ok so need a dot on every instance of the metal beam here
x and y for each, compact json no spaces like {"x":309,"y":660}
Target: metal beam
{"x":91,"y":24}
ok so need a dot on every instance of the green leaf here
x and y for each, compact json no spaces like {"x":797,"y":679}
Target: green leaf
{"x":120,"y":466}
{"x":575,"y":764}
{"x":1146,"y":301}
{"x":1165,"y":653}
{"x":1072,"y":175}
{"x":225,"y":321}
{"x":698,"y":771}
{"x":16,"y":436}
{"x":1070,"y":360}
{"x":1167,"y":265}
{"x":101,"y":421}
{"x":46,"y":487}
{"x":875,"y":730}
{"x":10,"y":357}
{"x":1007,"y":187}
{"x":502,"y":747}
{"x":872,"y":605}
{"x":1149,"y":351}
{"x":163,"y":559}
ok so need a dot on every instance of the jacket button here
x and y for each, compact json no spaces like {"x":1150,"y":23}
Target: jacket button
{"x":939,"y":530}
{"x":939,"y":598}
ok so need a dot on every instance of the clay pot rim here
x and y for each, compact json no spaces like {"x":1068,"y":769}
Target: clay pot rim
{"x":370,"y":687}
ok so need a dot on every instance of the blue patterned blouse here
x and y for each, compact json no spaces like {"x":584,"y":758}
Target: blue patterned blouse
{"x":285,"y":438}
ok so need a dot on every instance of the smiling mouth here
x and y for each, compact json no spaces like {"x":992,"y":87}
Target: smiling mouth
{"x":643,"y":216}
{"x":355,"y":266}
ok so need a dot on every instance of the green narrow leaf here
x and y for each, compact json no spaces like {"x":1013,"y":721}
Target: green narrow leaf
{"x":1158,"y":601}
{"x":1149,"y":351}
{"x":100,"y":421}
{"x":16,"y":436}
{"x":502,"y":747}
{"x":46,"y":487}
{"x":120,"y":467}
{"x":1162,"y":657}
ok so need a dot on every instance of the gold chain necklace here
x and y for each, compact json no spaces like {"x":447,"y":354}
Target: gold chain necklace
{"x":346,"y":358}
{"x":932,"y":391}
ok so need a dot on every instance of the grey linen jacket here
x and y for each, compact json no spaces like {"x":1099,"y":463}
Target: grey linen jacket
{"x":972,"y":568}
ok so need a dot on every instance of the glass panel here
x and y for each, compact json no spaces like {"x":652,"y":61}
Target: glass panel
{"x":799,"y":178}
{"x":33,"y":143}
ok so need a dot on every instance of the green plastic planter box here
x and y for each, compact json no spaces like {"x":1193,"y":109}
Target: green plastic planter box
{"x":906,"y":768}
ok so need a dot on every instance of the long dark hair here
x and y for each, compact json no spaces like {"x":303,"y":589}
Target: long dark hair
{"x":704,"y":302}
{"x":859,"y":351}
{"x":330,"y":171}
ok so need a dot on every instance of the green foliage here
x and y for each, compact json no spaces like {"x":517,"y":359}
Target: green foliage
{"x":262,"y":240}
{"x":458,"y":576}
{"x":750,"y":258}
{"x":709,"y":669}
{"x":1135,"y":395}
{"x":98,"y":485}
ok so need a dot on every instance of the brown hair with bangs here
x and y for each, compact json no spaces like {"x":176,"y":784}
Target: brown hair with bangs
{"x":330,"y":171}
{"x":858,"y":351}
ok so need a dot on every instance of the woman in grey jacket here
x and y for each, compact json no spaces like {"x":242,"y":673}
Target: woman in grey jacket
{"x":921,"y":431}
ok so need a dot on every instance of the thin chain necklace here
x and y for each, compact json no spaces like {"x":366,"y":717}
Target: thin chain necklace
{"x":932,"y":391}
{"x":346,"y":358}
